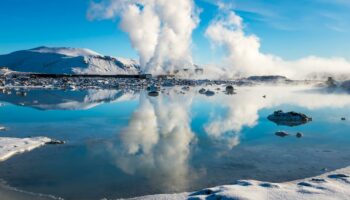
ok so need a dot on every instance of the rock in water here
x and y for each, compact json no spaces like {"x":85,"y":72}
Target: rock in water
{"x":281,"y":133}
{"x":53,"y":141}
{"x":153,"y":94}
{"x":186,"y":88}
{"x":209,"y":93}
{"x":299,"y":135}
{"x":202,"y":91}
{"x":289,"y":118}
{"x":229,"y":89}
{"x":153,"y":88}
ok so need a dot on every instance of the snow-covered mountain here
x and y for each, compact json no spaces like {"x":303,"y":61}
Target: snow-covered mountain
{"x":67,"y":61}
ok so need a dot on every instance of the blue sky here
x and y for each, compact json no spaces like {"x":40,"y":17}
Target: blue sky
{"x":290,"y":29}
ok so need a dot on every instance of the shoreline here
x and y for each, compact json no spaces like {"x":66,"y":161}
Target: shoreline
{"x":10,"y":147}
{"x":331,"y":185}
{"x":11,"y":193}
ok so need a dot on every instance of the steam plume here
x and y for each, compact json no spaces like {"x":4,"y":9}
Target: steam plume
{"x":159,"y":30}
{"x":244,"y":58}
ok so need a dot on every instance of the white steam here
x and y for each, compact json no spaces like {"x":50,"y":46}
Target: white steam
{"x":244,"y":58}
{"x":159,"y":30}
{"x":161,"y":33}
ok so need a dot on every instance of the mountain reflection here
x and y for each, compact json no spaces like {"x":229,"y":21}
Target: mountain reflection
{"x":63,"y":100}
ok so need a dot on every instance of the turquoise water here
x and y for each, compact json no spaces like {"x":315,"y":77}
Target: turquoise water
{"x":125,"y":144}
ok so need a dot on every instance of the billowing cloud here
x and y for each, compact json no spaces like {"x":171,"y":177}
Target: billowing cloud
{"x":159,"y":30}
{"x":244,"y":57}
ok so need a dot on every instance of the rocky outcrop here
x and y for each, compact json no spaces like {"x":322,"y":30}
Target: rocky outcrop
{"x":289,"y":118}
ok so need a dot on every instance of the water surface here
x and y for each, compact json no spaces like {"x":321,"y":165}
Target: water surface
{"x":124,"y":144}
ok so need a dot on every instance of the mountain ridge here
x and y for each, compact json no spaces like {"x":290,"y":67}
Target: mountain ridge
{"x":66,"y":60}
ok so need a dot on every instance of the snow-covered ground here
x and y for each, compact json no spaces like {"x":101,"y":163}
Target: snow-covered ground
{"x":65,"y":60}
{"x":11,"y":146}
{"x":330,"y":186}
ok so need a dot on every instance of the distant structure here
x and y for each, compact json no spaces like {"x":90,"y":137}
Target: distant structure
{"x":167,"y":76}
{"x":331,"y":82}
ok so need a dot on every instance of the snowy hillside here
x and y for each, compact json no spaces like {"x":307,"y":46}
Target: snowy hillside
{"x":67,"y":61}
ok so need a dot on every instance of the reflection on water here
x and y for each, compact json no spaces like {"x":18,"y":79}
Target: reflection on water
{"x":64,"y":100}
{"x":157,"y":141}
{"x":131,"y":144}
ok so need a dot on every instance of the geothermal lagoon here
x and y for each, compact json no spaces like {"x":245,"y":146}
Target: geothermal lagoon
{"x":123,"y":143}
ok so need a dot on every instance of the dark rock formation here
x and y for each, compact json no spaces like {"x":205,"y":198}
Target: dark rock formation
{"x":289,"y":118}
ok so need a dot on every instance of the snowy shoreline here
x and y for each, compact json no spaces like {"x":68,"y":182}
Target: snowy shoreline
{"x":12,"y":146}
{"x":331,"y":185}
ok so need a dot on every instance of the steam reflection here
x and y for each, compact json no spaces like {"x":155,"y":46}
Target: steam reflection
{"x":157,"y":142}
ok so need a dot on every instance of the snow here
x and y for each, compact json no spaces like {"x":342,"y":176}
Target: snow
{"x":65,"y":60}
{"x":11,"y":146}
{"x":127,"y":61}
{"x":73,"y":52}
{"x":5,"y":71}
{"x":334,"y":185}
